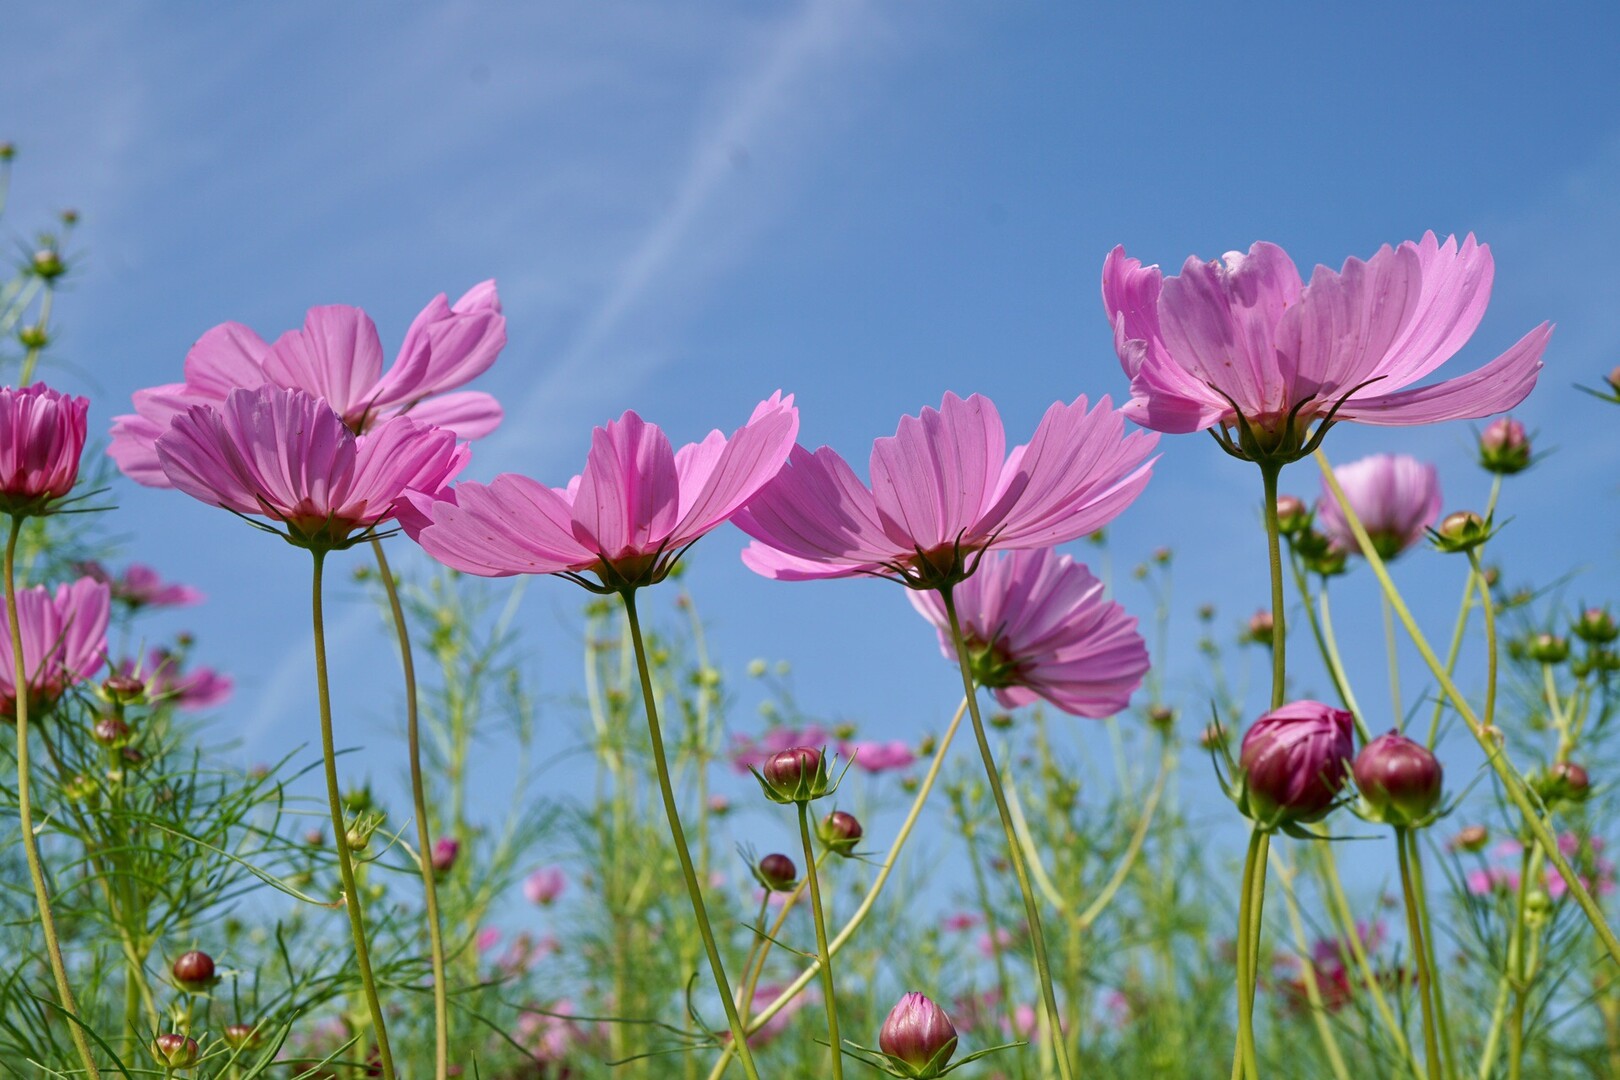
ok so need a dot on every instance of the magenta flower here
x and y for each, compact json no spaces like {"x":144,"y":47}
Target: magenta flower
{"x":1295,"y":760}
{"x":1242,"y":344}
{"x":166,"y":683}
{"x":1039,"y":625}
{"x":627,"y":518}
{"x":877,"y":757}
{"x":287,"y":456}
{"x":64,"y":641}
{"x":41,"y":437}
{"x":141,"y":587}
{"x":336,"y":356}
{"x":1395,"y":496}
{"x":544,"y":885}
{"x":943,"y":491}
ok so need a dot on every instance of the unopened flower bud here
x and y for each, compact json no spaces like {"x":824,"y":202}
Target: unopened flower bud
{"x":175,"y":1051}
{"x":1614,"y":379}
{"x":1538,"y":904}
{"x":1162,"y":717}
{"x":840,"y":831}
{"x":123,"y":689}
{"x":1295,"y":760}
{"x":1596,"y":626}
{"x":777,"y":873}
{"x":193,"y":971}
{"x":445,"y":850}
{"x":1001,"y":721}
{"x":1400,"y":780}
{"x":797,"y":774}
{"x":1260,"y":628}
{"x":1162,"y":556}
{"x":47,"y":263}
{"x":918,"y":1037}
{"x":719,"y":805}
{"x":1504,"y":447}
{"x":1472,"y":838}
{"x":81,"y":789}
{"x":1293,"y":516}
{"x":314,"y":837}
{"x":8,"y":150}
{"x":1571,"y":781}
{"x":1548,"y":649}
{"x":33,"y":336}
{"x":242,"y":1036}
{"x":1460,"y":531}
{"x":1213,"y":735}
{"x":69,"y":216}
{"x":111,"y":732}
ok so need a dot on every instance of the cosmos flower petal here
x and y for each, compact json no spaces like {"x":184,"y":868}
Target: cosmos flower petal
{"x":513,"y":525}
{"x":716,"y":482}
{"x":937,"y":475}
{"x":471,"y":414}
{"x":336,"y":356}
{"x":1497,"y":387}
{"x":814,"y":519}
{"x":629,"y":493}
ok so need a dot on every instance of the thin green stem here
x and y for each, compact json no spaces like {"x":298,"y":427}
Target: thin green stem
{"x":340,"y":840}
{"x":1245,"y":1061}
{"x":1437,"y":985}
{"x":31,"y":357}
{"x":1339,"y":908}
{"x":1331,"y":644}
{"x":1392,"y":647}
{"x":1307,"y":972}
{"x":992,"y":929}
{"x":1279,"y":628}
{"x":739,"y":1037}
{"x":1420,"y":956}
{"x":25,"y":810}
{"x":424,"y":834}
{"x":1453,"y":651}
{"x":1032,"y":912}
{"x":828,"y":988}
{"x":1495,"y":753}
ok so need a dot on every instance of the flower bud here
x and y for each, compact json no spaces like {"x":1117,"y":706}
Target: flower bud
{"x":1548,"y":649}
{"x":1001,"y":721}
{"x":1538,"y":905}
{"x":242,"y":1036}
{"x":1471,"y":838}
{"x":194,"y":971}
{"x":1162,"y":717}
{"x":33,"y":336}
{"x":1213,"y":736}
{"x":1400,"y":780}
{"x":1570,"y":781}
{"x":175,"y":1051}
{"x":47,"y":263}
{"x":69,"y":216}
{"x":1293,"y":516}
{"x":82,"y":788}
{"x":1294,"y":762}
{"x":111,"y":732}
{"x":8,"y":150}
{"x":918,"y":1037}
{"x":1260,"y":628}
{"x":777,"y":873}
{"x":840,"y":831}
{"x":1460,"y":531}
{"x":797,"y":774}
{"x":1596,"y":627}
{"x":123,"y":689}
{"x":545,"y":885}
{"x":1504,"y":448}
{"x":445,"y":850}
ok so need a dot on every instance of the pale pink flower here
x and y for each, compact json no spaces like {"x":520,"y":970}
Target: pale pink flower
{"x":1395,"y":496}
{"x":488,"y":937}
{"x":336,"y":356}
{"x":944,"y":490}
{"x":747,"y":752}
{"x":287,"y":456}
{"x":878,"y":757}
{"x":140,"y":586}
{"x":1243,"y":336}
{"x":1038,"y":625}
{"x":41,"y":437}
{"x":626,"y":519}
{"x":544,"y":885}
{"x":166,"y":681}
{"x":64,"y":640}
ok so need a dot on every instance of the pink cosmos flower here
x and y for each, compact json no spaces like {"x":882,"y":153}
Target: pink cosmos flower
{"x":750,"y":753}
{"x":1242,"y":342}
{"x":285,"y":455}
{"x":336,"y":356}
{"x":1395,"y":496}
{"x":64,"y":640}
{"x":627,"y":518}
{"x":190,"y":689}
{"x":41,"y":437}
{"x":877,"y":757}
{"x":944,"y":490}
{"x":140,"y":586}
{"x":544,"y":885}
{"x":1039,"y":625}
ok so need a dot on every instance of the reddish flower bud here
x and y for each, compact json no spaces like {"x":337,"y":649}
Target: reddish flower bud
{"x":111,"y":732}
{"x":1260,"y":628}
{"x":1504,"y":447}
{"x":1571,"y":781}
{"x":777,"y":873}
{"x":918,"y":1036}
{"x":194,"y":971}
{"x":1471,"y":838}
{"x":797,"y":774}
{"x":1293,"y":516}
{"x":1295,"y":761}
{"x":445,"y":850}
{"x":840,"y":831}
{"x":242,"y":1036}
{"x":1400,"y":780}
{"x":175,"y":1051}
{"x":123,"y":689}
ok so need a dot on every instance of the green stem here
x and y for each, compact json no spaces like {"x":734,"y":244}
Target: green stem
{"x":1331,"y":644}
{"x":1339,"y":908}
{"x":424,"y":835}
{"x":25,"y":810}
{"x":827,"y":985}
{"x":1307,"y":972}
{"x":1437,"y":984}
{"x":351,"y":893}
{"x":1245,"y":1061}
{"x":1391,"y":646}
{"x":1032,"y":912}
{"x":1495,"y":753}
{"x":1279,"y":629}
{"x":739,"y":1037}
{"x":31,"y":358}
{"x":987,"y":908}
{"x":1420,"y":955}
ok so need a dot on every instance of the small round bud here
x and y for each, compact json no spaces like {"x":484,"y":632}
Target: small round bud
{"x":1504,"y":447}
{"x":8,"y":150}
{"x":1548,"y":649}
{"x":1571,"y":781}
{"x":777,"y":873}
{"x":1471,"y":838}
{"x":111,"y":732}
{"x":445,"y":850}
{"x":1400,"y":780}
{"x":1162,"y":717}
{"x":840,"y":831}
{"x":357,"y":837}
{"x":359,"y":799}
{"x":1461,"y":530}
{"x":47,"y":263}
{"x":82,"y":788}
{"x":1614,"y":379}
{"x":33,"y":336}
{"x":175,"y":1051}
{"x":242,"y":1036}
{"x":719,"y":805}
{"x":314,"y":837}
{"x":797,"y":774}
{"x":1596,"y":626}
{"x":1260,"y":628}
{"x":1293,"y":516}
{"x":1213,"y":736}
{"x":123,"y":689}
{"x":69,"y":216}
{"x":194,"y":971}
{"x":1206,"y":612}
{"x":1538,"y":904}
{"x":918,"y":1037}
{"x":1162,"y":556}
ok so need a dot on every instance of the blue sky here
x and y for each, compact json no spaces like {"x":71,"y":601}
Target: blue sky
{"x":689,"y":206}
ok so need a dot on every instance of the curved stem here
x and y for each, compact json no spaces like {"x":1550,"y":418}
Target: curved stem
{"x":25,"y":810}
{"x":992,"y":929}
{"x":340,"y":840}
{"x":1495,"y":753}
{"x":1420,"y":955}
{"x":1279,"y":628}
{"x":424,"y":836}
{"x":1134,"y":847}
{"x":1043,"y":967}
{"x":828,"y":992}
{"x":739,"y":1037}
{"x":1453,"y":651}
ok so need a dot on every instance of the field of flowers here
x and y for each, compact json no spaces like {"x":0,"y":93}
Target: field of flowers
{"x":951,"y":904}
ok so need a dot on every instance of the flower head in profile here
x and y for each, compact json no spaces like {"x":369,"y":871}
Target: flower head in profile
{"x":1243,"y":347}
{"x":943,"y":491}
{"x":41,"y":438}
{"x":1396,"y":498}
{"x":336,"y":356}
{"x":287,"y":456}
{"x":627,"y":519}
{"x":64,"y":640}
{"x":1038,"y":626}
{"x":140,"y":586}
